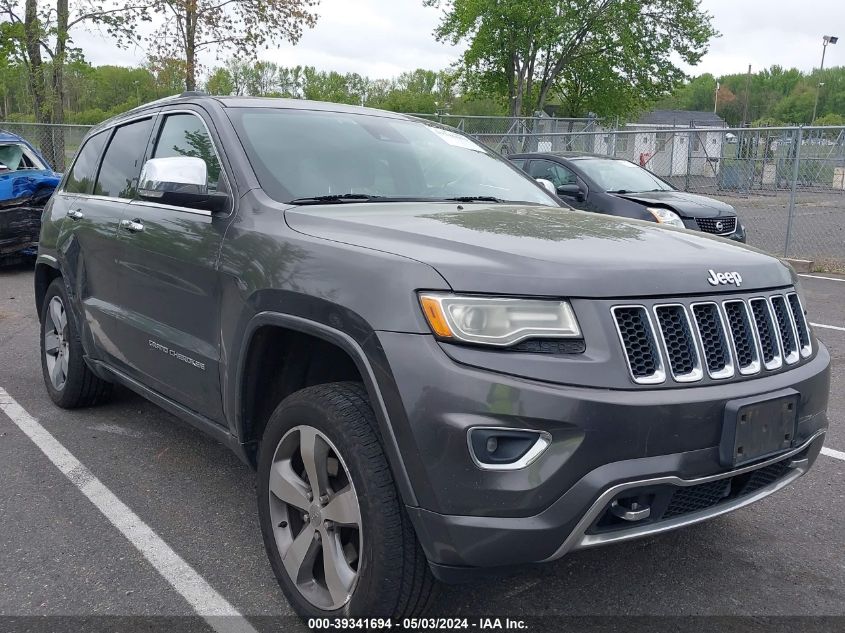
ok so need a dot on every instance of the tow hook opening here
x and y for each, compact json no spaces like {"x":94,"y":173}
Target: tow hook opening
{"x":631,"y":509}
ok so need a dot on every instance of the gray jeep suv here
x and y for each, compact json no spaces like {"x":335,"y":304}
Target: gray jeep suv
{"x":434,"y":368}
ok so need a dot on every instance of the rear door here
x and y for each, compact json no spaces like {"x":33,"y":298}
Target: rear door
{"x":87,"y":244}
{"x":171,"y":292}
{"x":95,"y":262}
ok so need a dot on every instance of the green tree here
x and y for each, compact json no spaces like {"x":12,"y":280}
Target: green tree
{"x":696,"y":94}
{"x":796,"y":108}
{"x":327,"y":86}
{"x":220,"y":83}
{"x":831,"y":119}
{"x":524,"y":48}
{"x":45,"y":29}
{"x":291,"y":81}
{"x":169,"y":74}
{"x":775,"y":96}
{"x":263,"y":79}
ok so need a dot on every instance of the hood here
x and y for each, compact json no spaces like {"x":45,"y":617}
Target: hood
{"x":542,"y":250}
{"x":687,"y":205}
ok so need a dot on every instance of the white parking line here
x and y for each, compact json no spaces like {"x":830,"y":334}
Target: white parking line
{"x":202,"y":597}
{"x":833,"y":453}
{"x":820,"y":277}
{"x":828,"y":327}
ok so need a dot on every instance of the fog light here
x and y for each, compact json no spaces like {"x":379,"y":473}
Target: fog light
{"x":501,"y":448}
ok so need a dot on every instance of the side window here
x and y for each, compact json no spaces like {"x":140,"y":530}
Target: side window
{"x":186,"y":135}
{"x":121,"y":166}
{"x":519,"y":163}
{"x":557,"y":174}
{"x":81,"y":176}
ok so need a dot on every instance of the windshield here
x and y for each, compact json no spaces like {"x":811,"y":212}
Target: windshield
{"x":302,"y":154}
{"x":16,"y":156}
{"x":620,"y":176}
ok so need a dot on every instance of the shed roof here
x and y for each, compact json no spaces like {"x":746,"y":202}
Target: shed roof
{"x":682,"y":118}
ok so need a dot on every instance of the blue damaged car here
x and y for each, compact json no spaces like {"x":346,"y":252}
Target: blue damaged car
{"x":26,"y":183}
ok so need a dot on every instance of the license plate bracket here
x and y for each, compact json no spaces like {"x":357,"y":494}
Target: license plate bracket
{"x":758,"y":427}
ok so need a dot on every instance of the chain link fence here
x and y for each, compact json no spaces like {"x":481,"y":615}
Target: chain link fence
{"x":787,"y":184}
{"x":57,"y":143}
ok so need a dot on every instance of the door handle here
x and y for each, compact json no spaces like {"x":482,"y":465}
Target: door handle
{"x":75,"y":214}
{"x":133,"y":226}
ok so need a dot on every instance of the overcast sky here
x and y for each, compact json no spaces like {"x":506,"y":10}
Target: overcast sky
{"x":382,"y":38}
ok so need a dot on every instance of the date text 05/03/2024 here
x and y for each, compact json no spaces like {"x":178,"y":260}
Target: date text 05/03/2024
{"x":414,"y":624}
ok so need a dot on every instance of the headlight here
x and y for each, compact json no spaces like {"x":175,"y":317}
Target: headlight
{"x":496,"y":320}
{"x":665,"y":216}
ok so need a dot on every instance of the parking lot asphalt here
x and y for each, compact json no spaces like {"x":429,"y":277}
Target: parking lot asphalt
{"x":59,"y":555}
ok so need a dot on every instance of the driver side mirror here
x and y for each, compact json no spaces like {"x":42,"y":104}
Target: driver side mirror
{"x":180,"y":181}
{"x":571,"y":191}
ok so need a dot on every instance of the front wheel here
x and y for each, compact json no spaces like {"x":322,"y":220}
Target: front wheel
{"x":338,"y":538}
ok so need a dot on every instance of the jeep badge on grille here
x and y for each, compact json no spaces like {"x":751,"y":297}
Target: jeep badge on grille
{"x":724,"y":278}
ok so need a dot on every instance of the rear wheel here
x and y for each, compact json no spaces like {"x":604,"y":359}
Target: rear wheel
{"x":68,"y":380}
{"x":338,"y":538}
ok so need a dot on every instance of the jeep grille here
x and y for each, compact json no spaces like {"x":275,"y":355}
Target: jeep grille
{"x":739,"y":336}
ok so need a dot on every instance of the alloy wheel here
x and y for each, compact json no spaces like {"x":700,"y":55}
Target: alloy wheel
{"x":316,"y":517}
{"x":56,"y":349}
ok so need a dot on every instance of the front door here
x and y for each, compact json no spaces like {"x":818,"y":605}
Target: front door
{"x":171,"y":293}
{"x":87,"y":245}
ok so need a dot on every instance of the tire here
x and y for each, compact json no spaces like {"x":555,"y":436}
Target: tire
{"x":68,"y":380}
{"x":392,"y":577}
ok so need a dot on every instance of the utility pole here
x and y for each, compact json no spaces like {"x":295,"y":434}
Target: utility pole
{"x":745,"y":106}
{"x":716,"y":100}
{"x":826,"y":39}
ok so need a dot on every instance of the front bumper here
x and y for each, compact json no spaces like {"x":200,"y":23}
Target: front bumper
{"x":604,"y":442}
{"x":476,"y":544}
{"x":19,"y":229}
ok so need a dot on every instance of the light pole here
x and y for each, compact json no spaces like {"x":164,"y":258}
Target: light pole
{"x":827,"y":39}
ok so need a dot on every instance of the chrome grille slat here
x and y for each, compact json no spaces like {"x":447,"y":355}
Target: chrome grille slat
{"x":713,"y":337}
{"x":767,"y":334}
{"x":743,"y":338}
{"x":801,"y":326}
{"x":678,"y":341}
{"x":786,"y":329}
{"x":636,"y":333}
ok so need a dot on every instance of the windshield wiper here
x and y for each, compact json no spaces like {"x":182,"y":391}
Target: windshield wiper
{"x":620,"y":191}
{"x":336,"y":198}
{"x":474,"y":199}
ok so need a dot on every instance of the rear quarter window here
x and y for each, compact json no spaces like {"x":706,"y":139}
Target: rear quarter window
{"x":81,"y":176}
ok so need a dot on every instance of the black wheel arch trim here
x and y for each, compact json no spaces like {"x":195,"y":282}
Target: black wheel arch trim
{"x":43,"y":262}
{"x":349,"y":345}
